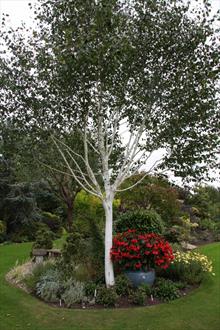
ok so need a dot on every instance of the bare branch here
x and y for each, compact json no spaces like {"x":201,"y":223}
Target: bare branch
{"x":115,"y":124}
{"x":129,"y":157}
{"x":88,"y":167}
{"x":67,"y":147}
{"x":96,"y":193}
{"x":139,"y":181}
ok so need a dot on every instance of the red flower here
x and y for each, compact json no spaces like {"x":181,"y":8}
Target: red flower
{"x":134,"y":240}
{"x":129,"y":250}
{"x":138,"y":265}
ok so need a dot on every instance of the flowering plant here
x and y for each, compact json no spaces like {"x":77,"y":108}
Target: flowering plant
{"x":187,"y":258}
{"x":131,"y":250}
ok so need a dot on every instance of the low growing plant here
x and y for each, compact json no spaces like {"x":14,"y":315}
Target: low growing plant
{"x":49,"y":286}
{"x":106,"y":296}
{"x":73,"y":293}
{"x":139,"y":295}
{"x":165,"y":290}
{"x":37,"y":272}
{"x":90,"y":288}
{"x":122,"y":285}
{"x":189,"y":267}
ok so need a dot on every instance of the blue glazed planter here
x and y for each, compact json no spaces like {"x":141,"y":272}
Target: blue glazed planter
{"x":139,"y":277}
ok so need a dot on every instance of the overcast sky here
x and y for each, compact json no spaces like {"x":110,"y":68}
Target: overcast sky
{"x":19,"y":11}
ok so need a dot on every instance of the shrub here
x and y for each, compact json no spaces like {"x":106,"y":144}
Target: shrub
{"x":139,"y":295}
{"x":176,"y":247}
{"x":89,"y":289}
{"x":106,"y":296}
{"x":72,"y":253}
{"x":37,"y":272}
{"x":173,"y":234}
{"x":217,"y":231}
{"x":49,"y":291}
{"x":207,"y":224}
{"x":49,"y":287}
{"x":144,"y":221}
{"x":165,"y":290}
{"x":73,"y":293}
{"x":189,"y":267}
{"x":152,"y":192}
{"x":131,"y":250}
{"x":3,"y":235}
{"x":145,"y":288}
{"x":53,"y":221}
{"x":181,"y":232}
{"x":44,"y":239}
{"x":122,"y":285}
{"x":78,"y":258}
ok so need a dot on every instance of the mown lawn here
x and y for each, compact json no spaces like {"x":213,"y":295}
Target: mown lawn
{"x":198,"y":311}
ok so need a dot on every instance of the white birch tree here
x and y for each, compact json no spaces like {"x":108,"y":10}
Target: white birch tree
{"x":132,"y":76}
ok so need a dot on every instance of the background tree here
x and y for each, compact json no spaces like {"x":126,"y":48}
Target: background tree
{"x":34,"y":158}
{"x":153,"y":192}
{"x":145,"y":67}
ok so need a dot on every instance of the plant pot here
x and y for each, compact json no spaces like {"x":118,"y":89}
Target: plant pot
{"x":138,"y":277}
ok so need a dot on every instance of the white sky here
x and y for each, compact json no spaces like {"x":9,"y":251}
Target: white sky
{"x":19,"y":11}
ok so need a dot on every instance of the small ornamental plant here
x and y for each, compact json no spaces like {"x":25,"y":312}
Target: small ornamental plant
{"x":133,"y":251}
{"x":188,"y":257}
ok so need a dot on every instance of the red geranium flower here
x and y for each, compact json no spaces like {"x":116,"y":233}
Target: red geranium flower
{"x":133,"y":251}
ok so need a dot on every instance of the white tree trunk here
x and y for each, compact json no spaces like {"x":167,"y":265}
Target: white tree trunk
{"x":109,"y":271}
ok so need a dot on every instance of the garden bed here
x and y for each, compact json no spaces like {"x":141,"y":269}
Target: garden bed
{"x":17,"y":275}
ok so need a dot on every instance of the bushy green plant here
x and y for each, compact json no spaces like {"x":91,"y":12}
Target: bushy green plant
{"x":49,"y":286}
{"x":122,"y":285}
{"x":106,"y":296}
{"x":53,"y":221}
{"x":90,"y":288}
{"x":49,"y":291}
{"x":72,"y":248}
{"x":145,"y":288}
{"x":207,"y":224}
{"x":152,"y":193}
{"x":189,"y":267}
{"x":182,"y":231}
{"x":173,"y":234}
{"x":73,"y":293}
{"x":21,"y":212}
{"x":181,"y":285}
{"x":176,"y":247}
{"x":78,"y":256}
{"x":2,"y":231}
{"x":217,"y":231}
{"x":38,"y":271}
{"x":165,"y":290}
{"x":144,"y":221}
{"x":44,"y":239}
{"x":138,"y":296}
{"x":207,"y":200}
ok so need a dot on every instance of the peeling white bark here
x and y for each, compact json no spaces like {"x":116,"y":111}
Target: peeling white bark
{"x":109,"y":270}
{"x":106,"y":192}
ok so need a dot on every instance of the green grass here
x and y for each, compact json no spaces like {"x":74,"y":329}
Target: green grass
{"x":198,"y":311}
